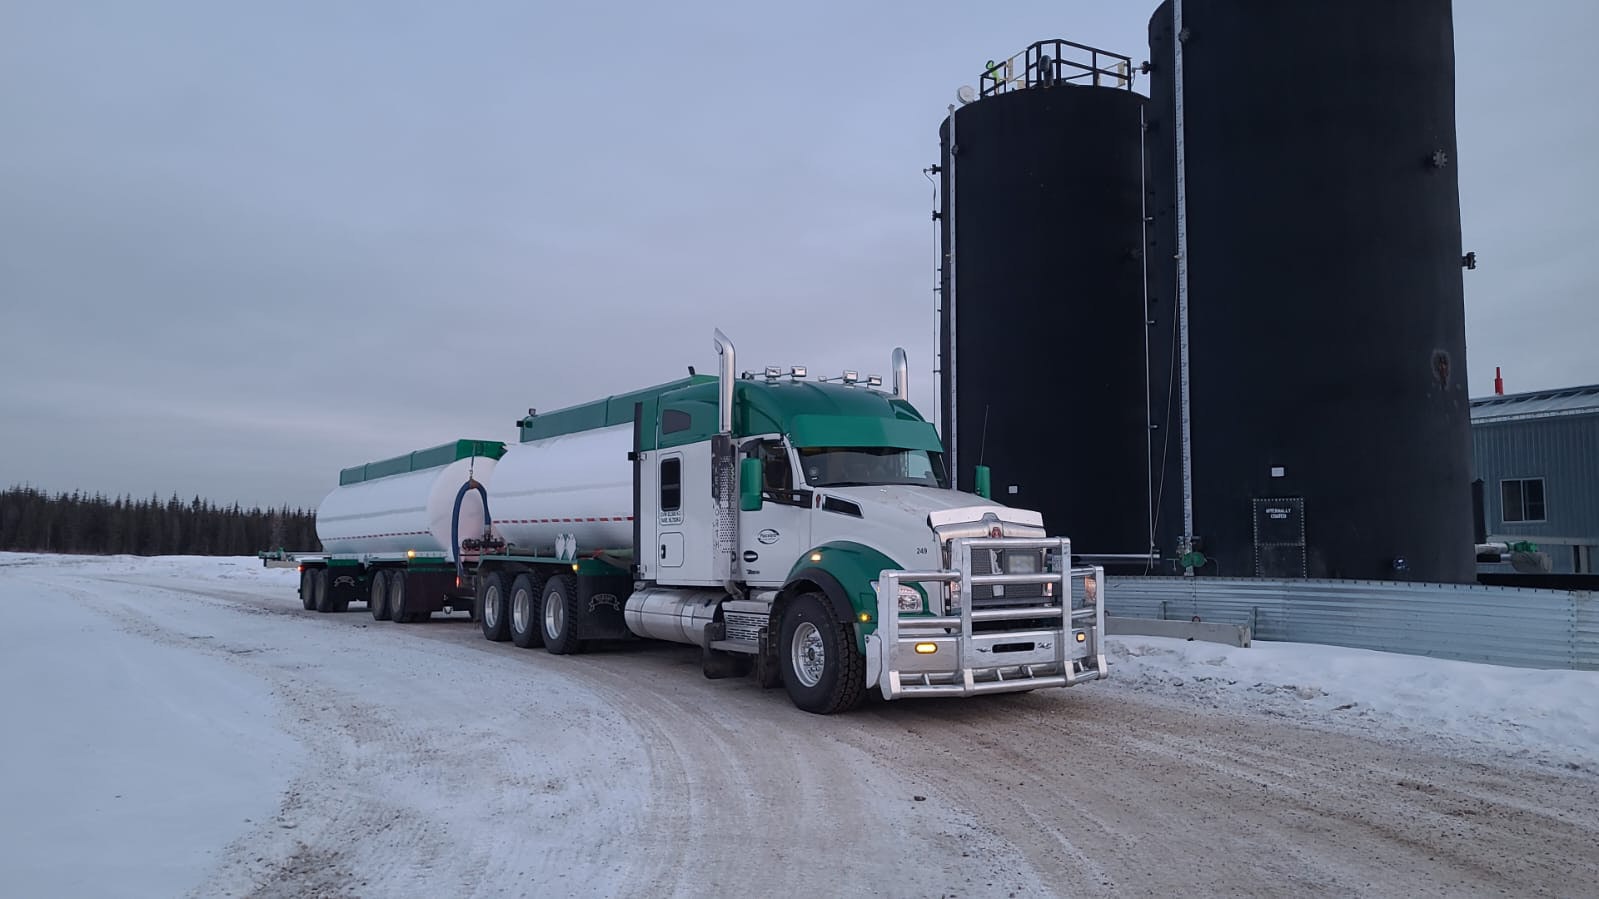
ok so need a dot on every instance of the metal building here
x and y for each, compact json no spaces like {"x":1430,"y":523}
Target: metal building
{"x":1537,"y":456}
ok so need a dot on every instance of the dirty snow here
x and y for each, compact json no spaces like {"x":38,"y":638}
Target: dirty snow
{"x":180,"y":726}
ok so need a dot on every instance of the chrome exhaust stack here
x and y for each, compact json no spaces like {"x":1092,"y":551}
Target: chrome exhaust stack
{"x":902,"y":375}
{"x":729,"y":374}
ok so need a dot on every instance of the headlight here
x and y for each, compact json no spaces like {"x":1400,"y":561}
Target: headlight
{"x":1090,"y":589}
{"x":909,"y":599}
{"x":1021,"y":563}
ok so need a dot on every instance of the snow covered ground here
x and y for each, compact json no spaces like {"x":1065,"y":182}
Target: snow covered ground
{"x":179,"y":725}
{"x":1494,"y":712}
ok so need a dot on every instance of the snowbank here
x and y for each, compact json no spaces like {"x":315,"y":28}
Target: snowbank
{"x":1541,"y":714}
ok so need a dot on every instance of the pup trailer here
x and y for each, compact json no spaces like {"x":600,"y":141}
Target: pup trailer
{"x":804,"y":531}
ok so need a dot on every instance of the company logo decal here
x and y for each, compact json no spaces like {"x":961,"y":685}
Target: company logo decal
{"x":768,"y":536}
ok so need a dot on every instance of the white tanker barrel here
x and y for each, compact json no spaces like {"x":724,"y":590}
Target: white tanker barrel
{"x":579,"y":484}
{"x":407,"y":503}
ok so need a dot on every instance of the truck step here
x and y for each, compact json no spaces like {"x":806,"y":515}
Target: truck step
{"x":745,"y":647}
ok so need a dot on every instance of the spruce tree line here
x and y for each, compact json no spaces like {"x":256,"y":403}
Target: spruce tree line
{"x":33,"y":521}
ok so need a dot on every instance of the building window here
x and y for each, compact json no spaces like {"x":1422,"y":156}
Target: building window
{"x":1521,"y":499}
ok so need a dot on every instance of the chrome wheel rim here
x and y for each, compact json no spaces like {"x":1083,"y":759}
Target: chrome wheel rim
{"x":491,"y":608}
{"x":810,"y":654}
{"x":520,"y":611}
{"x":554,"y":615}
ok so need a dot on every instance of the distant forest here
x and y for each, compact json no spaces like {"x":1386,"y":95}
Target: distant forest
{"x":33,"y":521}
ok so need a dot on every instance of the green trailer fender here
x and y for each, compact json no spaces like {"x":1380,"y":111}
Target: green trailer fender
{"x":846,"y":571}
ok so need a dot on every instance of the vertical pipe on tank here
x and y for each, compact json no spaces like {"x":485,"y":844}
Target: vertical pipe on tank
{"x":902,"y":375}
{"x":952,"y":438}
{"x":1149,"y":398}
{"x":1182,"y":274}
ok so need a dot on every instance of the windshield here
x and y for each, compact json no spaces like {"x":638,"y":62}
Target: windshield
{"x":858,"y":466}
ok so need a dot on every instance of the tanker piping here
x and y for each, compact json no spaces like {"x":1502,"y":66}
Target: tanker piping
{"x":455,"y":521}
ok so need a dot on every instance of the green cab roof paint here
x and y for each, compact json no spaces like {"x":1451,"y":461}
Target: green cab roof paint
{"x":873,"y":418}
{"x":861,"y":430}
{"x":855,"y":566}
{"x":421,"y":460}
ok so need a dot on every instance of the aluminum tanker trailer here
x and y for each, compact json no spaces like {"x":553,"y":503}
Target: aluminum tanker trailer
{"x":801,"y":530}
{"x":391,"y":530}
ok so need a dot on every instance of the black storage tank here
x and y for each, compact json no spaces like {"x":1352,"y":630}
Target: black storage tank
{"x":1329,"y":418}
{"x":1042,"y":377}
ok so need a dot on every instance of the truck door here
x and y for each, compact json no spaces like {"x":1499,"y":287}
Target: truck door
{"x":771,"y":540}
{"x":669,"y":511}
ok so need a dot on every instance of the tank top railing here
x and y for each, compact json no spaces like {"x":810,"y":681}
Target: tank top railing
{"x":1056,"y":62}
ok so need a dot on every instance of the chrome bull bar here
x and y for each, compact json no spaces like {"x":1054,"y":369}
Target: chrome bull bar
{"x":944,"y":655}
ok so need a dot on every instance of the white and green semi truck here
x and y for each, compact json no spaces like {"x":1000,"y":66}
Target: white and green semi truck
{"x":802,"y":530}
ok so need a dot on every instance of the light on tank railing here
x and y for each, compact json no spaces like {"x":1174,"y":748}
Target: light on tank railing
{"x":797,"y":371}
{"x":926,"y":649}
{"x":874,"y":380}
{"x":410,"y":554}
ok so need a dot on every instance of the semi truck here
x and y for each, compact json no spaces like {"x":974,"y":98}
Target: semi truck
{"x":801,"y":530}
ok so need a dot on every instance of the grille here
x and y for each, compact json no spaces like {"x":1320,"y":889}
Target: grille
{"x":984,"y":561}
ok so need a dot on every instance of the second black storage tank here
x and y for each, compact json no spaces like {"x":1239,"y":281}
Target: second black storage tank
{"x":1329,"y":413}
{"x":1042,"y":324}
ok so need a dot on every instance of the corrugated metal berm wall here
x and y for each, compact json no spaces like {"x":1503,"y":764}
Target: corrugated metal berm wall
{"x":1498,"y":625}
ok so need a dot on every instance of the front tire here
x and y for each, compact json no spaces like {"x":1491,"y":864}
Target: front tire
{"x":558,"y":619}
{"x":823,"y":670}
{"x":525,"y":610}
{"x":377,"y":601}
{"x":491,"y":608}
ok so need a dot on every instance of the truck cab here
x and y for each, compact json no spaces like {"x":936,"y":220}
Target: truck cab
{"x":808,"y":529}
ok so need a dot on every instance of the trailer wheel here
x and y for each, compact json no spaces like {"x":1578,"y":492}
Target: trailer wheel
{"x":525,"y":612}
{"x":490,"y":609}
{"x":308,"y":589}
{"x":397,"y":610}
{"x":823,"y":669}
{"x":323,"y":601}
{"x":377,"y":601}
{"x":559,"y":618}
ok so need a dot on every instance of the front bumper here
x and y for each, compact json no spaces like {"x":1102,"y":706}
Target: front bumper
{"x":1022,"y":647}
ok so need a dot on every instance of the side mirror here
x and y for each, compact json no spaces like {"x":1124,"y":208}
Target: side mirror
{"x":749,"y":485}
{"x":983,"y":488}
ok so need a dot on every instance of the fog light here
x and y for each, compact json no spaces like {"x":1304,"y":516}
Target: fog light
{"x":926,"y":649}
{"x":1082,"y":637}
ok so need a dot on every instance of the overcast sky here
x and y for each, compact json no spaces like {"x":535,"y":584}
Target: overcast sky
{"x":242,"y":246}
